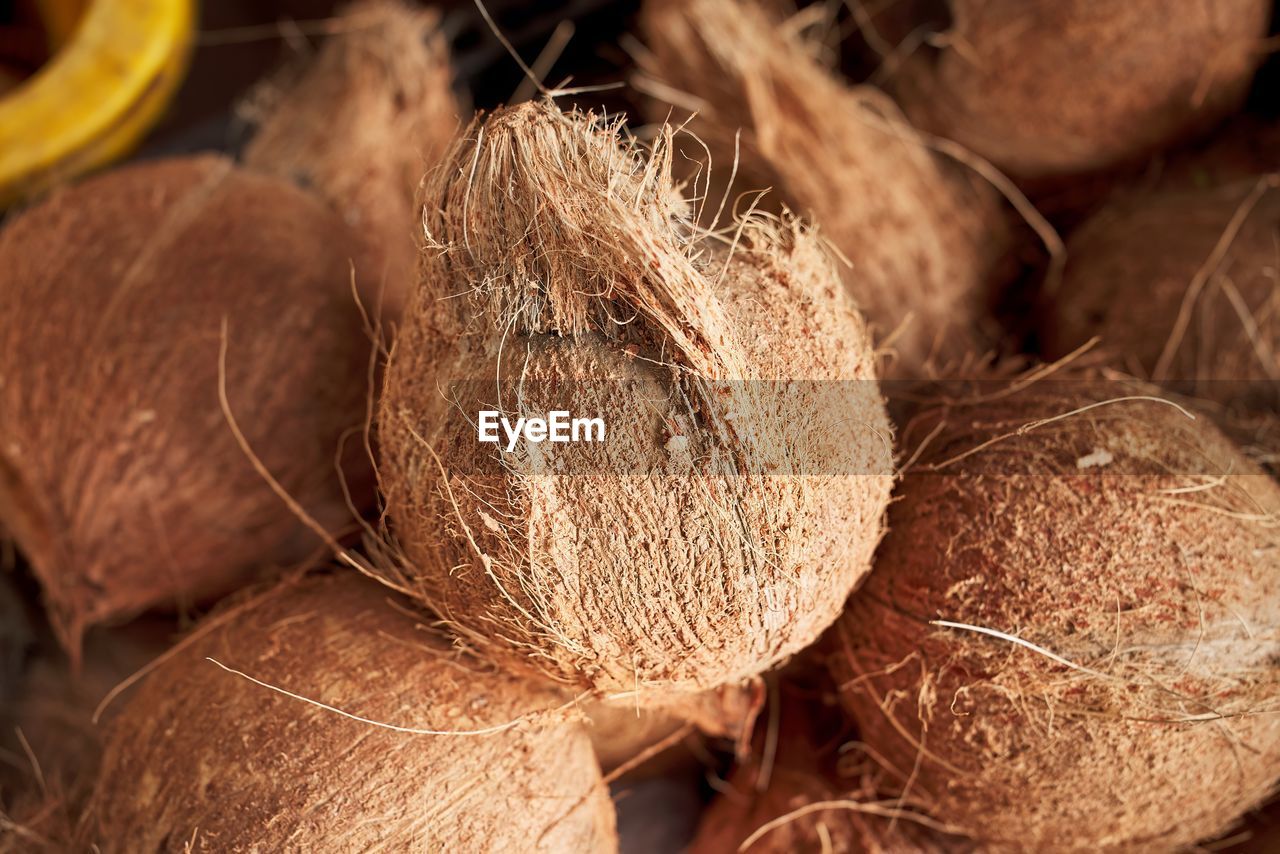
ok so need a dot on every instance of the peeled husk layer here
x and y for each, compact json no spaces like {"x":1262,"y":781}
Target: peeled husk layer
{"x":359,"y":124}
{"x":120,"y":477}
{"x":1125,"y":538}
{"x":201,"y":759}
{"x":1048,"y":89}
{"x":924,"y":238}
{"x":575,"y":278}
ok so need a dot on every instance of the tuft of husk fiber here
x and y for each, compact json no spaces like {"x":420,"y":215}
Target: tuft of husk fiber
{"x":202,"y":759}
{"x":563,"y":270}
{"x":1131,"y":558}
{"x":359,"y":124}
{"x":924,"y":239}
{"x":120,"y":477}
{"x":1181,"y":287}
{"x":794,"y":794}
{"x":1049,"y":89}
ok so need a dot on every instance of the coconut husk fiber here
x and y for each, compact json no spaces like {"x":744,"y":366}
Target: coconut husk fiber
{"x":51,"y":737}
{"x":687,"y":551}
{"x":924,"y":238}
{"x":359,"y":124}
{"x":120,"y":477}
{"x":1180,"y":286}
{"x":1052,"y":89}
{"x":1108,"y":566}
{"x":202,"y":759}
{"x":794,"y":794}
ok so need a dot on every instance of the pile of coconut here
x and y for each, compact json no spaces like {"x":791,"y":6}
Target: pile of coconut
{"x":801,"y":464}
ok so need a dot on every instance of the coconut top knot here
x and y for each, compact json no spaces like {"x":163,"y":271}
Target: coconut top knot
{"x":554,"y":223}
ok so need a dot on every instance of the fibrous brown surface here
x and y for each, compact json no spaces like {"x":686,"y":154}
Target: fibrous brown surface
{"x":52,"y":736}
{"x":204,"y":760}
{"x":360,"y":124}
{"x":1180,"y":286}
{"x":1128,"y":554}
{"x":119,"y":475}
{"x":792,"y":795}
{"x":923,"y":237}
{"x":1055,"y":88}
{"x":688,"y":550}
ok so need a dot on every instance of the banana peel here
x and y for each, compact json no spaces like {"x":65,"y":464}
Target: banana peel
{"x":95,"y":100}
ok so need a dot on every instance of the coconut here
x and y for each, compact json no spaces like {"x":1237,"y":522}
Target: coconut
{"x":1107,"y":572}
{"x":120,"y":477}
{"x":49,"y":726}
{"x":738,"y":495}
{"x":359,"y":124}
{"x":793,"y":793}
{"x":1058,"y":88}
{"x":205,"y":759}
{"x":1180,"y":286}
{"x":923,"y":237}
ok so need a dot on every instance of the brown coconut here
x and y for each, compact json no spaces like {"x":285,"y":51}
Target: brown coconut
{"x":51,"y":731}
{"x":923,"y":237}
{"x":795,"y":793}
{"x":1129,"y":555}
{"x":1181,"y":287}
{"x":202,"y":759}
{"x":359,"y":124}
{"x":562,"y":271}
{"x":120,"y":477}
{"x":1056,"y":88}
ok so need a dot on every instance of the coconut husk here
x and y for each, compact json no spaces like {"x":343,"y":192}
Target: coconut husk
{"x":792,"y":794}
{"x":120,"y":477}
{"x":359,"y":124}
{"x":399,"y":744}
{"x":1180,"y":287}
{"x":562,"y":271}
{"x":1107,"y":567}
{"x":925,"y":238}
{"x":52,"y":735}
{"x":1054,"y":89}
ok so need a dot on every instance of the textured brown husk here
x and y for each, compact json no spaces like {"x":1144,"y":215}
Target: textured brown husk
{"x":49,"y":727}
{"x":360,"y":124}
{"x":558,"y":258}
{"x":1054,"y":88}
{"x":924,"y":237}
{"x":203,"y":760}
{"x":1093,"y":537}
{"x":799,"y":770}
{"x":1147,"y":257}
{"x":119,"y":476}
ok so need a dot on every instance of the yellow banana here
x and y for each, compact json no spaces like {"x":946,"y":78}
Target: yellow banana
{"x":97,"y":97}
